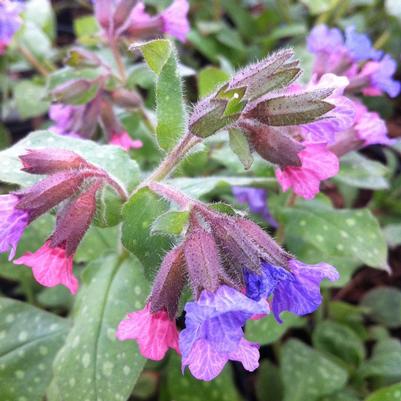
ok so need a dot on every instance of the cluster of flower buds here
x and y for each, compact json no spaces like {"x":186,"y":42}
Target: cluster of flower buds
{"x":71,"y":186}
{"x":285,"y":124}
{"x":236,"y":272}
{"x":129,"y":18}
{"x":10,"y":21}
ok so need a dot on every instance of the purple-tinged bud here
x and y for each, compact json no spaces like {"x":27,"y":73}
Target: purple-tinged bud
{"x":273,"y":72}
{"x":109,"y":121}
{"x":78,"y":57}
{"x":125,"y":98}
{"x":169,"y":283}
{"x":75,"y":218}
{"x":49,"y":161}
{"x":121,"y":17}
{"x":273,"y":144}
{"x":205,"y":269}
{"x":294,"y":109}
{"x":51,"y":191}
{"x":71,"y":91}
{"x":103,"y":12}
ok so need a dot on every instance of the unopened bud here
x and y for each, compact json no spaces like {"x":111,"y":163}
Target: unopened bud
{"x":125,"y":98}
{"x":71,"y":91}
{"x":273,"y":144}
{"x":78,"y":57}
{"x":75,"y":218}
{"x":49,"y":161}
{"x":169,"y":283}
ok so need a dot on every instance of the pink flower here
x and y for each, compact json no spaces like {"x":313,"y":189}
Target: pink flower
{"x":154,"y":332}
{"x":175,"y":19}
{"x":123,"y":140}
{"x":51,"y":266}
{"x":369,"y":127}
{"x":318,"y":164}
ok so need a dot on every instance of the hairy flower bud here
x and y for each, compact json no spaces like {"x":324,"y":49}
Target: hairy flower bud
{"x":74,"y":219}
{"x":126,"y":98}
{"x":49,"y":161}
{"x":169,"y":283}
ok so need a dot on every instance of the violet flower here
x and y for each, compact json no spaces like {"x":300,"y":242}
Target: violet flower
{"x":213,"y":332}
{"x":10,"y":21}
{"x":296,"y":289}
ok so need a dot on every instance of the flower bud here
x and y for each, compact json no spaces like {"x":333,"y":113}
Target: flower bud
{"x":125,"y":98}
{"x":121,"y":17}
{"x":103,"y":12}
{"x":71,"y":91}
{"x":273,"y":144}
{"x":78,"y":57}
{"x":169,"y":283}
{"x":75,"y":218}
{"x":49,"y":161}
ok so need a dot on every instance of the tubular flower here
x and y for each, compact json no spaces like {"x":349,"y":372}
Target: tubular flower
{"x":124,"y":141}
{"x":10,"y":22}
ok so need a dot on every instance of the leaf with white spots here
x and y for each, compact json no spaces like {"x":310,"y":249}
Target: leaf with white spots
{"x":333,"y":233}
{"x":391,"y":393}
{"x":29,"y":341}
{"x":307,"y":374}
{"x":184,"y":387}
{"x":93,"y":365}
{"x":267,"y":330}
{"x":110,"y":158}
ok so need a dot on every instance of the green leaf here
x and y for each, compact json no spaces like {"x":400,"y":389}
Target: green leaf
{"x":161,"y":57}
{"x":392,"y":233}
{"x":385,"y":361}
{"x":86,"y":29}
{"x":307,"y":374}
{"x":30,"y":338}
{"x":342,"y":395}
{"x":40,"y":12}
{"x":198,"y":187}
{"x":319,"y":6}
{"x":29,"y":99}
{"x":139,"y":213}
{"x":112,"y":159}
{"x":93,"y":364}
{"x":340,"y":341}
{"x":240,"y":146}
{"x":358,"y":171}
{"x":69,"y":74}
{"x":338,"y":233}
{"x":269,"y":386}
{"x":391,"y":393}
{"x":209,"y":79}
{"x":187,"y":388}
{"x":171,"y":223}
{"x":384,"y":305}
{"x":267,"y":330}
{"x":32,"y":37}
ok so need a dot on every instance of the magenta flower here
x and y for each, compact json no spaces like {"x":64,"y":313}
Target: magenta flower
{"x":256,"y":198}
{"x":64,"y":117}
{"x":173,"y":21}
{"x":10,"y":21}
{"x":51,"y":266}
{"x":213,"y":332}
{"x":124,"y":141}
{"x":369,"y":127}
{"x":318,"y":164}
{"x":13,"y":222}
{"x":155,"y":333}
{"x":296,"y":289}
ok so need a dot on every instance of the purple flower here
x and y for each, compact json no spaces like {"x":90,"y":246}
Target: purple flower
{"x":336,"y":120}
{"x":323,"y":39}
{"x":256,"y":198}
{"x":296,"y":290}
{"x":13,"y":222}
{"x":381,"y":74}
{"x":10,"y":22}
{"x":360,"y":46}
{"x":63,"y":117}
{"x":213,"y":333}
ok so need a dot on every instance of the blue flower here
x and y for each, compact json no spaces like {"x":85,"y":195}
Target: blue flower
{"x":213,"y":332}
{"x":296,"y":290}
{"x":360,"y":46}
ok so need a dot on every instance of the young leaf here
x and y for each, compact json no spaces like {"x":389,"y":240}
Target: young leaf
{"x":30,"y":338}
{"x":161,"y":57}
{"x":93,"y":364}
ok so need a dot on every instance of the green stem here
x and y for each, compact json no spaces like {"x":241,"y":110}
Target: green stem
{"x":33,"y":61}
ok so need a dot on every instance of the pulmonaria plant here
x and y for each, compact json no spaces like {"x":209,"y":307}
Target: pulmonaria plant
{"x":71,"y":186}
{"x":235,"y":271}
